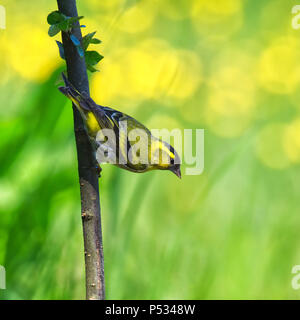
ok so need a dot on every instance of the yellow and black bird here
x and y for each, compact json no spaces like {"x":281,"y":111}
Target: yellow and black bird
{"x":152,"y":154}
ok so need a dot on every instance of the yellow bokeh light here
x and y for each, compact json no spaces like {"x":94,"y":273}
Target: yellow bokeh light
{"x":216,"y":20}
{"x":270,"y":146}
{"x":158,"y":121}
{"x":105,"y":85}
{"x":29,"y":51}
{"x":176,"y":10}
{"x":137,"y":18}
{"x":185,"y":74}
{"x":5,"y":72}
{"x":111,"y":4}
{"x":294,"y":97}
{"x":279,"y":66}
{"x":142,"y":75}
{"x":275,"y":18}
{"x":214,"y":9}
{"x":152,"y":70}
{"x":292,"y":141}
{"x":32,"y":53}
{"x":231,"y":94}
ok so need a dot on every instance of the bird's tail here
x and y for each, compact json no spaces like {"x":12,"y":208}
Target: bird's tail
{"x":80,"y":100}
{"x":84,"y":103}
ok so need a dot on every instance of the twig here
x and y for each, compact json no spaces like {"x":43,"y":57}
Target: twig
{"x":88,"y":176}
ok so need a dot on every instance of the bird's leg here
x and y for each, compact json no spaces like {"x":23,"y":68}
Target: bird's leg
{"x":98,"y":169}
{"x":96,"y":164}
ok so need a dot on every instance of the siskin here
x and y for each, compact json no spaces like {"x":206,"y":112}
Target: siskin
{"x":152,"y":154}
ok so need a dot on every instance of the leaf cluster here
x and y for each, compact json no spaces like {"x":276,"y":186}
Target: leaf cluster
{"x":59,"y":22}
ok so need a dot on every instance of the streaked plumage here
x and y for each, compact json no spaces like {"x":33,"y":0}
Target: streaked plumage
{"x":160,"y":155}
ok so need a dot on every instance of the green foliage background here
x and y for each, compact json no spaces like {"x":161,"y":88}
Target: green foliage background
{"x":230,"y":67}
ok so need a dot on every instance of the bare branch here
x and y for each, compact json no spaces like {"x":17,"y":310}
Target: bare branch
{"x":88,"y":175}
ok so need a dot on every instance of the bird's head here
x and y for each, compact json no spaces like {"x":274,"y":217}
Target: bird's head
{"x":166,"y":157}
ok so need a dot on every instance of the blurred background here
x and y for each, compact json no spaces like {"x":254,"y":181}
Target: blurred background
{"x":231,"y":67}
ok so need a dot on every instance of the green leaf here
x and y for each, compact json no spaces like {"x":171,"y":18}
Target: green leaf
{"x":91,"y":68}
{"x":87,"y":39}
{"x":64,"y":25}
{"x":74,"y":19}
{"x":95,"y":41}
{"x":55,"y":17}
{"x":53,"y":30}
{"x":92,"y":57}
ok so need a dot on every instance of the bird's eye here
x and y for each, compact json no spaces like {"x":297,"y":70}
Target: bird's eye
{"x":172,"y":160}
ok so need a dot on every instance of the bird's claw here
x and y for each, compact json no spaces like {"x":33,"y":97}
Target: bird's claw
{"x":98,"y":169}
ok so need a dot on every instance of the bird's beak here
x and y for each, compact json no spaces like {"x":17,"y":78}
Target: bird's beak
{"x":177,"y":172}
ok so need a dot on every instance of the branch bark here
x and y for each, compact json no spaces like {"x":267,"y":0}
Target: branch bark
{"x":88,"y":175}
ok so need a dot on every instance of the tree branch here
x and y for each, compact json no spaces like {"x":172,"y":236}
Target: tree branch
{"x":88,"y":176}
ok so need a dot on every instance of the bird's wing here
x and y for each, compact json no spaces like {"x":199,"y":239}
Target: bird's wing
{"x":122,"y":124}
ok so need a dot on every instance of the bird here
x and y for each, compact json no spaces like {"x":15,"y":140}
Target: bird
{"x":152,"y":153}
